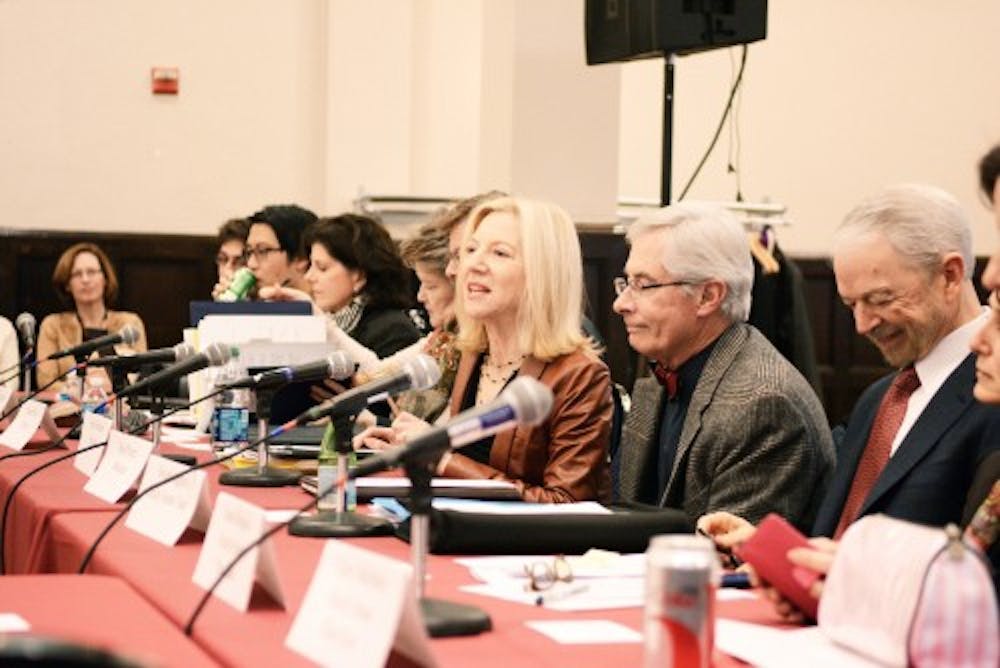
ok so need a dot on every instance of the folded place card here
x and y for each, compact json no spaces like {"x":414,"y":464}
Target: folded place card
{"x":6,"y":396}
{"x":96,"y":429}
{"x":167,"y":511}
{"x":124,"y":458}
{"x":234,"y":525}
{"x":359,"y":605}
{"x":30,"y":416}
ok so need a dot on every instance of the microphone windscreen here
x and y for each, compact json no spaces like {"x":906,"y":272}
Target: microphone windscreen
{"x":129,"y":334}
{"x":182,"y":351}
{"x":25,"y":322}
{"x":341,"y":365}
{"x":423,"y":372}
{"x":530,"y":399}
{"x":219,"y":353}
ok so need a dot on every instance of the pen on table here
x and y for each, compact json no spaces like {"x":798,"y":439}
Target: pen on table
{"x":558,"y":594}
{"x":736,"y":581}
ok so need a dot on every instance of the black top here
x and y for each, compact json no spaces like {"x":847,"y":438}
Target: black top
{"x":385,"y":331}
{"x":478,"y":450}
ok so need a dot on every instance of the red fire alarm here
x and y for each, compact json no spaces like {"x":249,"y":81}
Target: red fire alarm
{"x":166,"y":80}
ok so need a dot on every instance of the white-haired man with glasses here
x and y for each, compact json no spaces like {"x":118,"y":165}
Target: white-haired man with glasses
{"x":725,"y":421}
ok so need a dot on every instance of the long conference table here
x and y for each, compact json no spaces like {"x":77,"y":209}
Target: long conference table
{"x":53,"y":522}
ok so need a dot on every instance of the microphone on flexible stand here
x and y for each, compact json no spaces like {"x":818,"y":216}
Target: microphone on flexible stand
{"x":26,"y":325}
{"x":419,"y":373}
{"x":177,"y":353}
{"x":337,"y":365}
{"x":127,"y":335}
{"x":525,"y":401}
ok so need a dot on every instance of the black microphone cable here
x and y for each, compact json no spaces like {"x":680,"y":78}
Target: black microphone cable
{"x":10,"y":495}
{"x":189,"y":627}
{"x":76,"y":367}
{"x":277,"y":431}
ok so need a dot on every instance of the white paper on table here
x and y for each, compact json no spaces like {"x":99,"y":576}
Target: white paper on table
{"x":585,"y":631}
{"x":594,"y":564}
{"x":784,"y":648}
{"x":520,"y":507}
{"x":235,"y":524}
{"x":124,"y":458}
{"x":96,"y":429}
{"x":359,"y":605}
{"x":26,"y":422}
{"x":595,"y":594}
{"x":11,"y":622}
{"x":167,"y":511}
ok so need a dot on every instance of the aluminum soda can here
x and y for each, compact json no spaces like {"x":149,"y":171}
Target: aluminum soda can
{"x":679,"y":623}
{"x":242,"y":281}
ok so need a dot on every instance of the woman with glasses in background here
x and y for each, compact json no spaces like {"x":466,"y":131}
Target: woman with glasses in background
{"x":84,"y":279}
{"x":231,"y":254}
{"x":274,"y":251}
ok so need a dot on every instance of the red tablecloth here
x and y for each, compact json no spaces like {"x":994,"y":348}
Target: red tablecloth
{"x":101,"y":612}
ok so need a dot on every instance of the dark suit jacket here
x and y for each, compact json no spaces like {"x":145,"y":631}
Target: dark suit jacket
{"x":755,"y":439}
{"x":927,"y":480}
{"x":563,"y":459}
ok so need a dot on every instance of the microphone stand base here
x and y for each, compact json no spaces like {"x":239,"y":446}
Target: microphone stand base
{"x":331,"y":524}
{"x":251,"y":477}
{"x":444,"y":619}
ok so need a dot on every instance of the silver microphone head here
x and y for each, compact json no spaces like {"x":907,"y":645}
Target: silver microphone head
{"x":340,"y":364}
{"x":530,"y":399}
{"x":129,"y":334}
{"x":218,"y":354}
{"x":182,"y":351}
{"x":422,"y":371}
{"x":25,"y":324}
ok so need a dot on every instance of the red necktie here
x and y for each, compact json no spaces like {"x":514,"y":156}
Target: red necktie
{"x":668,"y":379}
{"x":873,"y":459}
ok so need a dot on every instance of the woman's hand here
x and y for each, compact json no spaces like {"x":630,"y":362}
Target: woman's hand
{"x":375,"y":438}
{"x":817,"y":557}
{"x":727,"y":530}
{"x":325,"y":390}
{"x":407,"y":426}
{"x":278,"y":293}
{"x":222,"y":286}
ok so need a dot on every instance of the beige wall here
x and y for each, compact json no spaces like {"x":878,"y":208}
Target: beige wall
{"x":843,"y":97}
{"x":308,"y":100}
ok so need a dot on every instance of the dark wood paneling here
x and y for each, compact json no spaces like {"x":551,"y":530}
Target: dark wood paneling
{"x":158,"y":275}
{"x":161,"y":274}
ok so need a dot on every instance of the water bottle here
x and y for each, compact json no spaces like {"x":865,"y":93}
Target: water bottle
{"x":327,"y":473}
{"x":231,"y":415}
{"x":93,"y":398}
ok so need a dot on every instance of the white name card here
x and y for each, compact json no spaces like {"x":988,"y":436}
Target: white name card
{"x":6,"y":394}
{"x":235,"y":524}
{"x":30,"y":416}
{"x":359,"y":605}
{"x":123,"y":461}
{"x":96,"y":429}
{"x":167,"y":511}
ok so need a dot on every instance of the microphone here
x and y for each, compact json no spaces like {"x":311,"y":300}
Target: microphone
{"x":127,"y":335}
{"x":25,"y":324}
{"x":214,"y":355}
{"x":420,"y":373}
{"x":337,"y":366}
{"x":177,"y":353}
{"x":526,"y":401}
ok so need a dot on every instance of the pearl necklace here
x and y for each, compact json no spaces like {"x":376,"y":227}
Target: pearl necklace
{"x":495,"y":376}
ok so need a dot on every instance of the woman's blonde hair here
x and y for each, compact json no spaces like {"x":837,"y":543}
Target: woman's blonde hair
{"x":551,"y":311}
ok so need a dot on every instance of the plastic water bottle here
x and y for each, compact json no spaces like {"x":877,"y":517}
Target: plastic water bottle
{"x":93,"y":398}
{"x":326,"y":473}
{"x":231,"y":415}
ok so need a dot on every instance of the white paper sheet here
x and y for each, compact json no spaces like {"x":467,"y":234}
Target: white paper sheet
{"x":26,"y":422}
{"x":96,"y":429}
{"x":770,"y":647}
{"x":167,"y":511}
{"x":11,"y":622}
{"x":585,"y":631}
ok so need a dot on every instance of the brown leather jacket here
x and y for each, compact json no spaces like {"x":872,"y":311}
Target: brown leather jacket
{"x":565,"y":458}
{"x":62,"y":330}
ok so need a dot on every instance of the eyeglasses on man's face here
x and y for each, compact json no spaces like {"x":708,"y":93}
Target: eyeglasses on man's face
{"x":638,"y":285}
{"x":260,"y":253}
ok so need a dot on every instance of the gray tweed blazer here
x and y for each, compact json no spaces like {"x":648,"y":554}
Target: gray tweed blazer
{"x":755,"y":439}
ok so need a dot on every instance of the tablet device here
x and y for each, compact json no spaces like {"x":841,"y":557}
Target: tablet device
{"x":767,"y":552}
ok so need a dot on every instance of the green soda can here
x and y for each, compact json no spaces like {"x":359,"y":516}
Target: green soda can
{"x":243,"y":280}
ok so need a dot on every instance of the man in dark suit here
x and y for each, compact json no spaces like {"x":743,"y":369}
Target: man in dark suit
{"x":727,"y":422}
{"x":903,"y":263}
